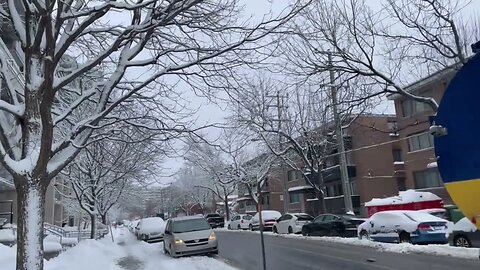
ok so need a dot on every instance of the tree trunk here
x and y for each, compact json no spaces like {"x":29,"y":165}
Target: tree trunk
{"x":227,"y":208}
{"x":93,"y":226}
{"x":104,"y":218}
{"x":30,"y":205}
{"x":321,"y":193}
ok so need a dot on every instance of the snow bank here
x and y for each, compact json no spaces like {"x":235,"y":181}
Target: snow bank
{"x":7,"y":235}
{"x":437,"y":250}
{"x":69,"y":241}
{"x":51,"y":247}
{"x":103,"y":254}
{"x":7,"y":257}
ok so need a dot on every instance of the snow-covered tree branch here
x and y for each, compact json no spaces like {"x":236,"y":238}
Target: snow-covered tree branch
{"x":82,"y":60}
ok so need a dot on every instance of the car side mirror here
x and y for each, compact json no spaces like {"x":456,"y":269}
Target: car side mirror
{"x":167,"y":232}
{"x":371,"y":224}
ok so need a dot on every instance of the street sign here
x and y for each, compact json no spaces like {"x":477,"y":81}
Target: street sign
{"x":458,"y":150}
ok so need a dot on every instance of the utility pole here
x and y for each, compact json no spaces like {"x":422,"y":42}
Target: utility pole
{"x":347,"y":194}
{"x":279,"y":105}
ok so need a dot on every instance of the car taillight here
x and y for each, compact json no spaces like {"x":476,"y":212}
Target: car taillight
{"x":241,"y":221}
{"x":474,"y":220}
{"x":424,"y":227}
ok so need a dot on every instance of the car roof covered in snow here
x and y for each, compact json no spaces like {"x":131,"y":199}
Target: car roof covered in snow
{"x":186,"y":218}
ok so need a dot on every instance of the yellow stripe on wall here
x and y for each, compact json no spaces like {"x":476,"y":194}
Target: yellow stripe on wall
{"x":466,"y":195}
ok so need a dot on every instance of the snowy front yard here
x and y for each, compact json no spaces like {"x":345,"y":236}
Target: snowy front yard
{"x":125,"y":254}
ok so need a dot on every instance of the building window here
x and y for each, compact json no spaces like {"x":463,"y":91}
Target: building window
{"x":294,"y":175}
{"x":401,"y":184}
{"x":427,"y":178}
{"x":294,"y":197}
{"x":397,"y":155}
{"x":392,"y":126}
{"x":419,"y":142}
{"x":353,"y":187}
{"x":411,"y":107}
{"x":264,"y":200}
{"x":330,"y":191}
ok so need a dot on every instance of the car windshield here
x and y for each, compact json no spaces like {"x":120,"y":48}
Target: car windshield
{"x":213,"y":215}
{"x":190,"y":225}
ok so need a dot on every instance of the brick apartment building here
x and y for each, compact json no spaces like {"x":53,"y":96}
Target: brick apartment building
{"x":416,"y":142}
{"x":372,"y":163}
{"x":386,"y":154}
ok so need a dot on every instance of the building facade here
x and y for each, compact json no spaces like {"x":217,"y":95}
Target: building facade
{"x":417,"y":146}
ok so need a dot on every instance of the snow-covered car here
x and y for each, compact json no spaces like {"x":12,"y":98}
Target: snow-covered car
{"x":133,"y":225}
{"x":151,"y":229}
{"x":464,"y":234}
{"x":404,"y":226}
{"x":189,"y":235}
{"x":269,"y":218}
{"x":291,"y":223}
{"x":240,"y":222}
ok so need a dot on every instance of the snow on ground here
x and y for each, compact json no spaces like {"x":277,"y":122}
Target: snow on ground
{"x":438,"y":250}
{"x":7,"y":235}
{"x":128,"y":252}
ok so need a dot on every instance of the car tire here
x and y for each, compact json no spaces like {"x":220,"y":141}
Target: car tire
{"x":404,"y":237}
{"x":250,"y":227}
{"x":164,"y":249}
{"x":275,"y":230}
{"x":461,"y":241}
{"x":364,"y":235}
{"x":239,"y":227}
{"x":290,"y":230}
{"x":229,"y":227}
{"x":305,"y":232}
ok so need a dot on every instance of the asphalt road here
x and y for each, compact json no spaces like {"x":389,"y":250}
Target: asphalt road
{"x":242,"y":249}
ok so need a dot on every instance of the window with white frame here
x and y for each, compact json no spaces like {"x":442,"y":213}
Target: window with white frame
{"x":428,"y":178}
{"x":419,"y":142}
{"x":294,"y":197}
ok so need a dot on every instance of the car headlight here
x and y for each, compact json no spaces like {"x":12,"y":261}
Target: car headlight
{"x":178,"y":241}
{"x":212,"y":237}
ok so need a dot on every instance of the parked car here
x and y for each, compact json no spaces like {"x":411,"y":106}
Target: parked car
{"x":215,"y":220}
{"x":464,"y":234}
{"x":333,"y":225}
{"x":400,"y":226}
{"x":132,"y":225}
{"x":240,"y":222}
{"x":291,"y":223}
{"x":269,"y":218}
{"x":189,"y":235}
{"x":151,"y":229}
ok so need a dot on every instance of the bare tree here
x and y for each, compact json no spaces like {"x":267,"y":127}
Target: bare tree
{"x":103,"y":54}
{"x":189,"y":178}
{"x":223,"y":175}
{"x":101,"y":173}
{"x":388,"y":46}
{"x":304,"y":141}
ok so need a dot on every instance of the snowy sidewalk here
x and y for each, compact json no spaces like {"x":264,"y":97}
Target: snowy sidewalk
{"x":126,"y":253}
